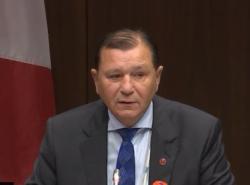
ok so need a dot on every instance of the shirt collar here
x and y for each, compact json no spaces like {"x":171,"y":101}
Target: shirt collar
{"x":144,"y":122}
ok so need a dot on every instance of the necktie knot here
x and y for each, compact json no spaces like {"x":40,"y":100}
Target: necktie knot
{"x":127,"y":134}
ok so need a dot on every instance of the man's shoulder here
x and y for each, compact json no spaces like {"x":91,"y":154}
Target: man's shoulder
{"x":86,"y":108}
{"x":191,"y":123}
{"x":79,"y":114}
{"x":180,"y":111}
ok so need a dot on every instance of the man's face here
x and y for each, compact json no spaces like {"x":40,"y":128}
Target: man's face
{"x":126,"y":81}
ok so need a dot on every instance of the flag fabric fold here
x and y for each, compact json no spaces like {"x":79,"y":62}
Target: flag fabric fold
{"x":26,"y":88}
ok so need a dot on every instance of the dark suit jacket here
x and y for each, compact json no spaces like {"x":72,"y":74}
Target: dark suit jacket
{"x":74,"y":149}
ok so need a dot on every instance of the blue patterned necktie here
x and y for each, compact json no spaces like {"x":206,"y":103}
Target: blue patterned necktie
{"x":126,"y":158}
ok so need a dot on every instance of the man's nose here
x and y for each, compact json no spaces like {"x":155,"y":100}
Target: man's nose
{"x":127,"y":85}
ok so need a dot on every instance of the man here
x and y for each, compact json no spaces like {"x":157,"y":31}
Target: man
{"x":173,"y":143}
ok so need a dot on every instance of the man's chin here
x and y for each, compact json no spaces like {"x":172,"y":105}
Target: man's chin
{"x":128,"y":117}
{"x":127,"y":106}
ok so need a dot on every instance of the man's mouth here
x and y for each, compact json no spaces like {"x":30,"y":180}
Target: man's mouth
{"x":126,"y":102}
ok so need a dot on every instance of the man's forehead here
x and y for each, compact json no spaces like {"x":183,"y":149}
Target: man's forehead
{"x":129,"y":68}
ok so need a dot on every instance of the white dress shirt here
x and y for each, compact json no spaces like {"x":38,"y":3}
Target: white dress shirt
{"x":141,"y":142}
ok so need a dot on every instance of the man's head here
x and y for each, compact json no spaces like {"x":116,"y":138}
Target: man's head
{"x":127,"y":75}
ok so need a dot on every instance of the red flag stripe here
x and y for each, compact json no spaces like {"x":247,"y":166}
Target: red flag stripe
{"x":26,"y":101}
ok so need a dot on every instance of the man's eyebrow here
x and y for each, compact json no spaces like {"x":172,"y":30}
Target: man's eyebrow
{"x":138,"y":68}
{"x":113,"y":71}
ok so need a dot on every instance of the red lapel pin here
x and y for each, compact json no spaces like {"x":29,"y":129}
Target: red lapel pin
{"x":163,"y":161}
{"x":158,"y":182}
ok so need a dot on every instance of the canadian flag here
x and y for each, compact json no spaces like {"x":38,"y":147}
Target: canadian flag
{"x":26,"y":94}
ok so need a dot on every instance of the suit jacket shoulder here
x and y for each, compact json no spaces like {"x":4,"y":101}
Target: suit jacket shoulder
{"x":76,"y":115}
{"x":70,"y":147}
{"x":190,"y":139}
{"x":183,"y":117}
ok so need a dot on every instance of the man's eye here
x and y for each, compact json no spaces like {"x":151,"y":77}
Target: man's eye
{"x":138,"y":75}
{"x":114,"y":76}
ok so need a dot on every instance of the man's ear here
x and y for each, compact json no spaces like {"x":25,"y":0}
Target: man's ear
{"x":94,"y":74}
{"x":158,"y":77}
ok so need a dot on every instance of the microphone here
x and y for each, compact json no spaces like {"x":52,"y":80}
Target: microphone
{"x":116,"y":177}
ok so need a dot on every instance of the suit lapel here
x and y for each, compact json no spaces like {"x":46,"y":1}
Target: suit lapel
{"x":94,"y":149}
{"x":164,"y":145}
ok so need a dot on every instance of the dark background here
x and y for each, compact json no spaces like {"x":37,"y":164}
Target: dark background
{"x":204,"y":46}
